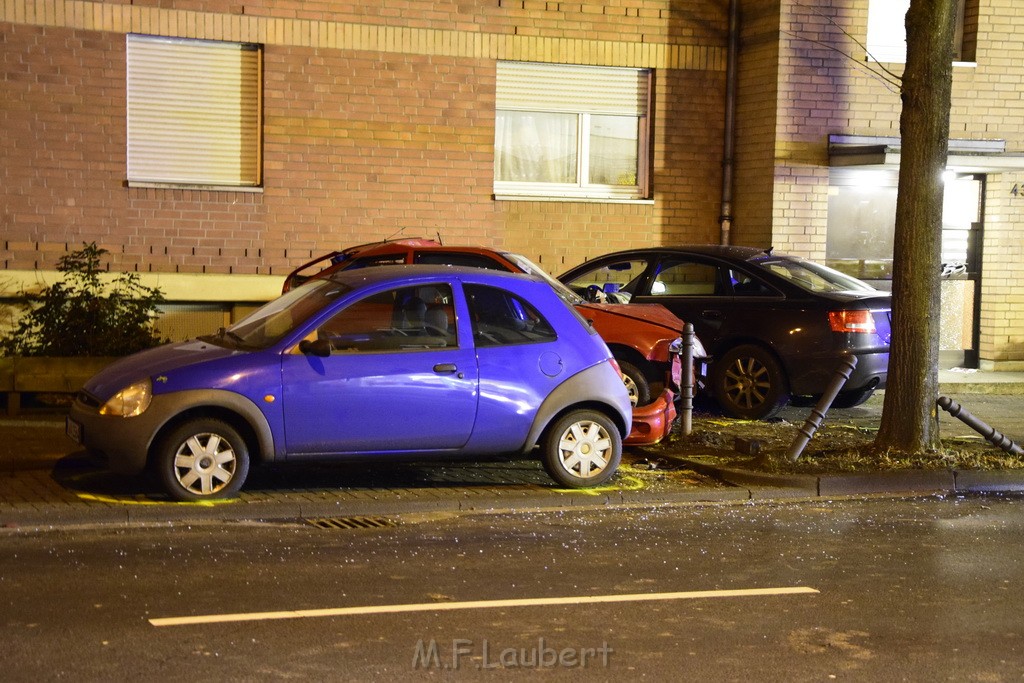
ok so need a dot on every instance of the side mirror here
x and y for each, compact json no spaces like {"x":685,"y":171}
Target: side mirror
{"x":320,"y":347}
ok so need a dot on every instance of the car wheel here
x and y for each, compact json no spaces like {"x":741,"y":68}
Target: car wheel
{"x":749,"y":383}
{"x":582,"y":449}
{"x":636,"y":384}
{"x":202,"y":460}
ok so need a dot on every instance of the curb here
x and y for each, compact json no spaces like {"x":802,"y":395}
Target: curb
{"x":55,"y":515}
{"x":891,"y":482}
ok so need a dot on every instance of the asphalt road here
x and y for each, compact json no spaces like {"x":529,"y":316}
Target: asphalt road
{"x":920,"y":589}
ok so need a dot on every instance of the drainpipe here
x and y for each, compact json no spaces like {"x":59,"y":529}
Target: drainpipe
{"x":725,"y":220}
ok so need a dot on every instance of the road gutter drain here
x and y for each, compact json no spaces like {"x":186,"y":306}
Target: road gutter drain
{"x":351,"y":522}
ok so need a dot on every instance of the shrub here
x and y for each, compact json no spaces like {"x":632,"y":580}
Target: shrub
{"x":82,"y":316}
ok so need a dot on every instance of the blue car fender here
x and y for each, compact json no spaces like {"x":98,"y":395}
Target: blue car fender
{"x":599,"y":386}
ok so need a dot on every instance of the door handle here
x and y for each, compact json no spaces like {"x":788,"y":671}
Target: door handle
{"x":446,"y":368}
{"x":711,"y":315}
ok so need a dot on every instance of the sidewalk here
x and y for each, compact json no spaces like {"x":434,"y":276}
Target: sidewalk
{"x":46,"y":481}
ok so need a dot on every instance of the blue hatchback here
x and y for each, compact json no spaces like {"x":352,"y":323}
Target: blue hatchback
{"x":412,"y":361}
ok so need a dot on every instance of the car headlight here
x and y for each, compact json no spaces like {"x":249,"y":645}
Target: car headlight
{"x":130,"y":401}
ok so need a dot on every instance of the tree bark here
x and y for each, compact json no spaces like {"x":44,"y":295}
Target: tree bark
{"x":909,"y":413}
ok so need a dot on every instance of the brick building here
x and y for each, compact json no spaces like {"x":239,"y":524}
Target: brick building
{"x":558,"y":130}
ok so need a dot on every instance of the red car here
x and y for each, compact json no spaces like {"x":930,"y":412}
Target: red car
{"x":645,"y":340}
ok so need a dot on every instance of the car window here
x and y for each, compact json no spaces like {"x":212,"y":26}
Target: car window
{"x":614,"y":282}
{"x":274,"y":320}
{"x":402,"y":319}
{"x":686,"y":278}
{"x":531,"y":268}
{"x":744,"y":284}
{"x":812,"y":276}
{"x":382,"y":260}
{"x":454,"y":258}
{"x":500,"y":318}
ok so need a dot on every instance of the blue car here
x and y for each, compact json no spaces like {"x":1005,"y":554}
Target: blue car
{"x":411,"y":361}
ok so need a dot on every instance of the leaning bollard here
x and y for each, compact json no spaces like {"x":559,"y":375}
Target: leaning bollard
{"x":686,"y":382}
{"x":813,"y":421}
{"x":991,"y":435}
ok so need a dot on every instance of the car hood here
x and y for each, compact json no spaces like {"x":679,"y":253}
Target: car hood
{"x":150,"y":363}
{"x":651,"y":313}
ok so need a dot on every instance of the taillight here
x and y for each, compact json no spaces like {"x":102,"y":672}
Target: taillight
{"x":852,"y":321}
{"x":615,"y":364}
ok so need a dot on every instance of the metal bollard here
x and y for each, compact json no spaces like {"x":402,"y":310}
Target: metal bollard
{"x":813,"y":420}
{"x":686,"y":382}
{"x":991,"y":435}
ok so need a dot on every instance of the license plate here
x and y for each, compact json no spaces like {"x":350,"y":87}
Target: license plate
{"x":73,"y":430}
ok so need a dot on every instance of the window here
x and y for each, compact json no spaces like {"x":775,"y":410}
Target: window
{"x":573,"y":132}
{"x":453,"y":258}
{"x":193,"y":112}
{"x":406,"y":319}
{"x":887,"y":36}
{"x":501,"y":318}
{"x":614,"y":282}
{"x":685,"y":279}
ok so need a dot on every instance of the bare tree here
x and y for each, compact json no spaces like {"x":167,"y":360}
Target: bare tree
{"x":909,"y":414}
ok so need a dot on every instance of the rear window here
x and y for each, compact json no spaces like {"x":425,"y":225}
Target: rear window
{"x":813,"y":277}
{"x":502,"y":318}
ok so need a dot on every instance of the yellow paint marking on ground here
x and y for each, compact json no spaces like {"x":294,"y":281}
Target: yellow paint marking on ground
{"x":623,"y":483}
{"x":479,"y":604}
{"x":93,"y":498}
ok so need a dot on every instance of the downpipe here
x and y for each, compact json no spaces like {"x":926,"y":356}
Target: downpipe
{"x":814,"y":420}
{"x":991,"y":435}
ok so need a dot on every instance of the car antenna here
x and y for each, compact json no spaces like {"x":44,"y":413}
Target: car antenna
{"x":439,"y":240}
{"x":768,"y":251}
{"x":394,"y":235}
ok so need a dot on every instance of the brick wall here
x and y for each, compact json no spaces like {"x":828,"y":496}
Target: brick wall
{"x":378,"y":121}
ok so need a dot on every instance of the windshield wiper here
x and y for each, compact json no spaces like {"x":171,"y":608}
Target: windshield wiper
{"x":224,"y":334}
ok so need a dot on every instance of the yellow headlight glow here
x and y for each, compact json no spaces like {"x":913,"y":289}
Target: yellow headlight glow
{"x":130,"y":401}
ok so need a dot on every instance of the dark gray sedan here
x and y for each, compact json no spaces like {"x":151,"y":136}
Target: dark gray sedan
{"x":777,"y":327}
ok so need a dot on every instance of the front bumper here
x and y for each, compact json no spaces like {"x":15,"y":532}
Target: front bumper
{"x":652,"y":422}
{"x":124,"y":441}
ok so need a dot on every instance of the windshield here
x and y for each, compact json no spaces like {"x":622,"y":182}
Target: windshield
{"x":271,"y":322}
{"x":531,"y":268}
{"x":812,"y":276}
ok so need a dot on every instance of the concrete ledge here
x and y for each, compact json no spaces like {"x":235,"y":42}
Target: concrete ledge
{"x":990,"y":481}
{"x":803,"y":483}
{"x":763,"y":485}
{"x":1008,"y":388}
{"x":898,"y":481}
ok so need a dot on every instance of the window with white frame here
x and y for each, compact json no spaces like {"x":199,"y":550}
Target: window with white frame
{"x":193,"y":112}
{"x":571,"y":132}
{"x":887,"y":32}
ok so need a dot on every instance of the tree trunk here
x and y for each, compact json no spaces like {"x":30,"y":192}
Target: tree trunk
{"x":909,"y":414}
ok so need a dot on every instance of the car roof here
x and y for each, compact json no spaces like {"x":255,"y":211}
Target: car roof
{"x":727,"y":251}
{"x":421,"y":273}
{"x":413,"y":244}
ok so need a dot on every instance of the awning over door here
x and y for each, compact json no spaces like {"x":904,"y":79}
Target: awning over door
{"x":965,"y":156}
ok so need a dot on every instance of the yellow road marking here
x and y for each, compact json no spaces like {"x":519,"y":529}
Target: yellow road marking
{"x":94,"y":498}
{"x":478,"y":604}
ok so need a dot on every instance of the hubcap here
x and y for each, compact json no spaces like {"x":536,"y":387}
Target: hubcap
{"x":585,"y":449}
{"x":205,"y":464}
{"x":747,"y":383}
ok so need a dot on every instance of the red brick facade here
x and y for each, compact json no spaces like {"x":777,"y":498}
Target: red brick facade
{"x":378,"y":120}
